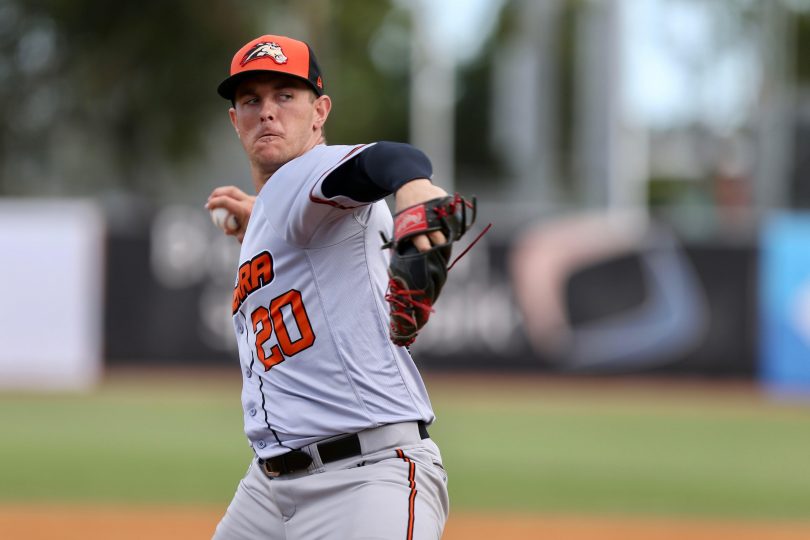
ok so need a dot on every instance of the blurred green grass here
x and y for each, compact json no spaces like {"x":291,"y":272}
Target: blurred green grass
{"x":639,"y":447}
{"x":530,"y":444}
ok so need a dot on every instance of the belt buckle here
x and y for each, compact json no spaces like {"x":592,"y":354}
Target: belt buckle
{"x":268,"y":471}
{"x":292,"y":461}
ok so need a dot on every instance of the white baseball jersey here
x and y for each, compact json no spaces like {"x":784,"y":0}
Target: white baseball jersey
{"x":310,"y":315}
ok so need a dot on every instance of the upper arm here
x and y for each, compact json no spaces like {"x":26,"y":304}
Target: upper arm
{"x":377,"y":172}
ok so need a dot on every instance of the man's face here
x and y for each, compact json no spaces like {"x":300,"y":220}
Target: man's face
{"x":277,"y":118}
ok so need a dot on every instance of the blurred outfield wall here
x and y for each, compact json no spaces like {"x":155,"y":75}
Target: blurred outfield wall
{"x":588,"y":293}
{"x":645,"y":303}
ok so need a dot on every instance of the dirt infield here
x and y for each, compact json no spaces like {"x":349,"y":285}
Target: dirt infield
{"x":39,"y":522}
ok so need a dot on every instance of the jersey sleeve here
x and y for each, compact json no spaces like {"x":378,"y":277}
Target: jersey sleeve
{"x":322,"y":191}
{"x":306,"y":199}
{"x":294,"y":205}
{"x":377,"y":172}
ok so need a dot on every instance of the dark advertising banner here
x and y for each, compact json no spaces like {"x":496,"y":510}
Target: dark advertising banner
{"x":598,"y":295}
{"x":169,"y":290}
{"x":591,"y":294}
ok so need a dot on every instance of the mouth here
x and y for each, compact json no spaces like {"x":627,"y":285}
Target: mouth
{"x":267,"y":136}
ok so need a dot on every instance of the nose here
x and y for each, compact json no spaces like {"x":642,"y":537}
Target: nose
{"x":267,"y":111}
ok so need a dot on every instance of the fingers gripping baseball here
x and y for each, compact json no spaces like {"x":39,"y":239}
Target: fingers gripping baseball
{"x":237,"y":204}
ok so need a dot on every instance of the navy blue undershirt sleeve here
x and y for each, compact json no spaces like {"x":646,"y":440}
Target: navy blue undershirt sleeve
{"x":377,"y":172}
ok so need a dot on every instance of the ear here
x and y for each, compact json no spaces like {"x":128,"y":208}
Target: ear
{"x":232,"y":115}
{"x":322,"y":107}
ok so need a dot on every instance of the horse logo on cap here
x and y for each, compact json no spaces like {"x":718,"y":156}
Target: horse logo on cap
{"x":265,"y":48}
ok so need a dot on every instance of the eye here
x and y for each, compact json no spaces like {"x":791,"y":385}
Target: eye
{"x":286,"y":96}
{"x":250,"y":100}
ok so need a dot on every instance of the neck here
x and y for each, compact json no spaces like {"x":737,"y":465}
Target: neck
{"x":261,"y":175}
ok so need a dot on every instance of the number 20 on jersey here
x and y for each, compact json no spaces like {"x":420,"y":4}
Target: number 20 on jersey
{"x":270,"y":321}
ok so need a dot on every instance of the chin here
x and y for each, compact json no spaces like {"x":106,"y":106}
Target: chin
{"x":267,"y":153}
{"x":268,"y":160}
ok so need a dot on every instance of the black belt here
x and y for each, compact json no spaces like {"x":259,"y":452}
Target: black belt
{"x":330,"y":451}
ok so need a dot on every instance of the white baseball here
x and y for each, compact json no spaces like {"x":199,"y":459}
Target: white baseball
{"x":224,"y":219}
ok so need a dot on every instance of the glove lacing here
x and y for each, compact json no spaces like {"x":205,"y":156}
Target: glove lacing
{"x":403,"y":302}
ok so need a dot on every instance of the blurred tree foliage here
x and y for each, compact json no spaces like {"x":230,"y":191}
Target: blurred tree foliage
{"x":130,"y":81}
{"x":803,"y":47}
{"x":99,"y":95}
{"x":477,"y":161}
{"x":364,"y":50}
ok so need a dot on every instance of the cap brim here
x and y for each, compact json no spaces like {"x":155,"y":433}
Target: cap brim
{"x":227,"y":88}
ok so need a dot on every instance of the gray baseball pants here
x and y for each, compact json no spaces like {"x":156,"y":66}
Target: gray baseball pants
{"x":396,"y":489}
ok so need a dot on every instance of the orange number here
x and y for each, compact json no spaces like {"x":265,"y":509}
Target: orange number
{"x":293,"y":299}
{"x":272,"y":321}
{"x":262,"y":317}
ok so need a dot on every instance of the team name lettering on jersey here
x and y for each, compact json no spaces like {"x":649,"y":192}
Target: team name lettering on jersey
{"x":253,"y":275}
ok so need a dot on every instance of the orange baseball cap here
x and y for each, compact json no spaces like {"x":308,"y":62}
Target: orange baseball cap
{"x":273,"y":53}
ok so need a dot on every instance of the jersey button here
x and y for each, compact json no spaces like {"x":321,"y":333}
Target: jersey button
{"x":252,"y":412}
{"x":248,"y":373}
{"x":261,"y":444}
{"x":240,"y":328}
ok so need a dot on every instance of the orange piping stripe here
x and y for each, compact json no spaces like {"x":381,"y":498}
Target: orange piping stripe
{"x":412,"y":497}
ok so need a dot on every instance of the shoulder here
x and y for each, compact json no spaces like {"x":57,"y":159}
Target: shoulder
{"x":311,"y":165}
{"x":333,"y":154}
{"x":322,"y":160}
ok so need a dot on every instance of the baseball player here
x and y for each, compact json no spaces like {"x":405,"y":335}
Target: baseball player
{"x":335,"y":412}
